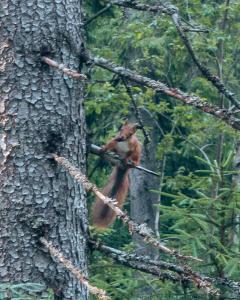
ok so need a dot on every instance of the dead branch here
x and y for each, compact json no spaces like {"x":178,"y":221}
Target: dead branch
{"x":128,"y":260}
{"x":116,"y":160}
{"x":172,"y":11}
{"x":61,"y":67}
{"x":223,"y":114}
{"x":136,"y":110}
{"x":133,"y":227}
{"x":101,"y":294}
{"x":155,"y":267}
{"x":147,"y":265}
{"x":99,"y":13}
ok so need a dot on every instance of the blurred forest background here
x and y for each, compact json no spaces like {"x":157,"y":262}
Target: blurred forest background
{"x":193,"y":206}
{"x":199,"y":193}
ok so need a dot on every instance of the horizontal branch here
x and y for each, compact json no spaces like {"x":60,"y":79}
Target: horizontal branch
{"x":162,"y":8}
{"x":155,"y":267}
{"x":116,"y":160}
{"x":99,"y":293}
{"x":223,"y":114}
{"x":173,"y":12}
{"x":61,"y":67}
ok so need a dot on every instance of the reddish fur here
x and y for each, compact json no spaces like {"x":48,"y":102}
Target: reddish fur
{"x":118,"y":183}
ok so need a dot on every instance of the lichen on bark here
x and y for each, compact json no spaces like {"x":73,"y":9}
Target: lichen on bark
{"x":41,"y":112}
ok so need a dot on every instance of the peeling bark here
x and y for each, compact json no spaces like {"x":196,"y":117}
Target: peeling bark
{"x":40,"y":112}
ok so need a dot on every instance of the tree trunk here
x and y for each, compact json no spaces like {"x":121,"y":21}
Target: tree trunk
{"x":236,"y":183}
{"x":141,"y":184}
{"x":40,"y":113}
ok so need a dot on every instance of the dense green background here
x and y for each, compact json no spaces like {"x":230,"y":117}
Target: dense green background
{"x":200,"y":198}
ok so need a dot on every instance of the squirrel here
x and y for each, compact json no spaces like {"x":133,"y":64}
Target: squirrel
{"x":127,"y":146}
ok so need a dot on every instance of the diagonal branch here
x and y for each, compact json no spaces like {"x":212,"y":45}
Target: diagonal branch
{"x":99,"y":13}
{"x":226,"y":115}
{"x":172,"y":11}
{"x":101,"y":294}
{"x":133,"y":227}
{"x":147,"y":138}
{"x":215,"y":80}
{"x":139,"y":263}
{"x":155,"y":267}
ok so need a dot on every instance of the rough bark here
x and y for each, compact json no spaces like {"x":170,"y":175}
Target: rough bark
{"x":40,"y":112}
{"x":141,"y":184}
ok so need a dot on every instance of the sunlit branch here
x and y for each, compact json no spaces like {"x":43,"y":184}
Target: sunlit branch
{"x":133,"y":227}
{"x":101,"y":294}
{"x":61,"y":67}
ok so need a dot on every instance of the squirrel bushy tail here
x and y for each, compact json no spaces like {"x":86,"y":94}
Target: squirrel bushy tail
{"x":117,"y":188}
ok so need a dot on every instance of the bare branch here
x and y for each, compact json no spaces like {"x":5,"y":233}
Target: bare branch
{"x":137,"y":113}
{"x":162,"y":8}
{"x":133,"y":227}
{"x":99,"y":13}
{"x":101,"y":294}
{"x":61,"y":67}
{"x":173,"y":12}
{"x":116,"y":160}
{"x":155,"y":267}
{"x":223,"y":114}
{"x":215,"y":80}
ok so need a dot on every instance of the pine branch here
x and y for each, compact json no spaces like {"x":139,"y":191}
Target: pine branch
{"x":155,"y":267}
{"x":99,"y":13}
{"x":72,"y":73}
{"x":147,"y":138}
{"x":147,"y":265}
{"x":101,"y":294}
{"x":133,"y":227}
{"x":116,"y":160}
{"x":172,"y":11}
{"x":223,"y":114}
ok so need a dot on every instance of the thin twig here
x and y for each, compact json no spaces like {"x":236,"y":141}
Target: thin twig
{"x":65,"y":70}
{"x":116,"y":160}
{"x":99,"y":13}
{"x":101,"y":294}
{"x":137,"y":113}
{"x":172,"y":11}
{"x":133,"y":227}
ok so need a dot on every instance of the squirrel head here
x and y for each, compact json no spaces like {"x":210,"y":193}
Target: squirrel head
{"x":126,"y":131}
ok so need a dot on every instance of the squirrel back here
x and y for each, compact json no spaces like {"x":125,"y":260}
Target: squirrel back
{"x":128,"y":147}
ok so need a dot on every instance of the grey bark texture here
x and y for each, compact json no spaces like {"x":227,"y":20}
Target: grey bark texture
{"x":40,"y":113}
{"x":141,"y":184}
{"x":236,"y":182}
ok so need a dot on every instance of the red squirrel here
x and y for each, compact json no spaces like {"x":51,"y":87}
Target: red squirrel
{"x":127,"y":146}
